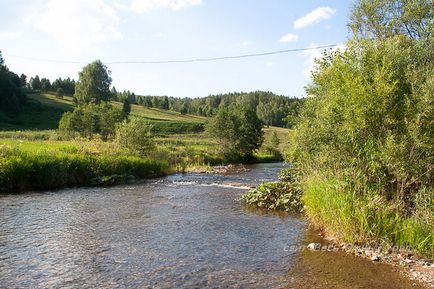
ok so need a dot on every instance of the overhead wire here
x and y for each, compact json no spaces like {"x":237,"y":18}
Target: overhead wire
{"x":169,"y":61}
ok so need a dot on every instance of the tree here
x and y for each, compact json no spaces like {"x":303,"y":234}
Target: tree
{"x":384,"y":18}
{"x":238,"y":132}
{"x":89,"y":119}
{"x":126,"y":108}
{"x":165,"y":103}
{"x":23,"y":79}
{"x":93,"y":85}
{"x":135,"y":135}
{"x":60,"y":92}
{"x":113,"y":94}
{"x":36,"y":83}
{"x":11,"y":96}
{"x":45,"y":84}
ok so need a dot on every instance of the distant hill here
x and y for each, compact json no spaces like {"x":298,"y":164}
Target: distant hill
{"x":44,"y":110}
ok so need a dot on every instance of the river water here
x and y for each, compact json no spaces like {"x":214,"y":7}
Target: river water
{"x":181,"y":231}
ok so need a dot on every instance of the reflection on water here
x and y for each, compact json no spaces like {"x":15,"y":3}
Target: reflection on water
{"x":181,"y":231}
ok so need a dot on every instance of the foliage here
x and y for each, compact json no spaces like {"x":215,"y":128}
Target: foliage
{"x":11,"y":96}
{"x":237,"y":130}
{"x":284,"y":195}
{"x":52,"y":166}
{"x":135,"y":135}
{"x":60,"y":92}
{"x":365,"y":135}
{"x":126,"y":107}
{"x":385,"y":18}
{"x":90,"y":119}
{"x":93,"y":85}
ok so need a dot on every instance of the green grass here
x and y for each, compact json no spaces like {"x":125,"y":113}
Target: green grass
{"x":54,"y":164}
{"x":40,"y":160}
{"x":44,"y":110}
{"x":368,"y":219}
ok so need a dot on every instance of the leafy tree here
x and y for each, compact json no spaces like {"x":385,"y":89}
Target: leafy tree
{"x":93,"y":85}
{"x":384,"y":18}
{"x":238,"y":132}
{"x":90,"y":119}
{"x":60,"y":92}
{"x":135,"y":135}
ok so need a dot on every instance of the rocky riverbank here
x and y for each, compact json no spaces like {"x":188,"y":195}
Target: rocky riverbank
{"x":414,"y":267}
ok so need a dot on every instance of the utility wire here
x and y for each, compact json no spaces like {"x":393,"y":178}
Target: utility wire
{"x":179,"y":61}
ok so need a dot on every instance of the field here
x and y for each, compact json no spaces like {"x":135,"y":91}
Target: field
{"x":44,"y":110}
{"x":34,"y":156}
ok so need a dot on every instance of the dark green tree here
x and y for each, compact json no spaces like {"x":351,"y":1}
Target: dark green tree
{"x":237,"y":130}
{"x":36,"y":83}
{"x":11,"y":96}
{"x":126,"y":107}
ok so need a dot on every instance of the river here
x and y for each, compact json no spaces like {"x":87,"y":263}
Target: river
{"x":180,"y":231}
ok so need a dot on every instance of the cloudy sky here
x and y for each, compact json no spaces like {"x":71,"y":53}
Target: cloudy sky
{"x":148,"y":30}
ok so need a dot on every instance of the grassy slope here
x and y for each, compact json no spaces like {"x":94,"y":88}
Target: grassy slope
{"x":43,"y":111}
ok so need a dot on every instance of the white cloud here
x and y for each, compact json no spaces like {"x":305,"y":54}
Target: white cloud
{"x":288,"y":38}
{"x":78,"y":25}
{"x":269,"y":64}
{"x":313,"y":17}
{"x":143,"y":6}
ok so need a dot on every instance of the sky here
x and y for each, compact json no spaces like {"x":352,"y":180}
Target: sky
{"x":148,"y":30}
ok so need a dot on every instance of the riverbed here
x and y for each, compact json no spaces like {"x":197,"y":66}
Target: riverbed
{"x":180,"y":231}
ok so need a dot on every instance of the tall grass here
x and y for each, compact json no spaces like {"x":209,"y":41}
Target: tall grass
{"x":44,"y":165}
{"x":368,"y":219}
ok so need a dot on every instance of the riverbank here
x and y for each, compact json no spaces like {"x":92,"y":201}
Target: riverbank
{"x":52,"y":164}
{"x":416,"y":270}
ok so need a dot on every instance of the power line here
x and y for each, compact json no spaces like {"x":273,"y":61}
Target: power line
{"x":181,"y":60}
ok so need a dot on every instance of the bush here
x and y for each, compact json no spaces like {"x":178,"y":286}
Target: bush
{"x":135,"y":135}
{"x":90,"y":119}
{"x":284,"y":195}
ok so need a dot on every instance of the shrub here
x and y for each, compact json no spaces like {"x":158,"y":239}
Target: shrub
{"x":135,"y":135}
{"x":284,"y":195}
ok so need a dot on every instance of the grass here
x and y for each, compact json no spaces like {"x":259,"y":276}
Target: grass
{"x":44,"y":110}
{"x":365,"y":219}
{"x":40,"y":160}
{"x":55,"y":164}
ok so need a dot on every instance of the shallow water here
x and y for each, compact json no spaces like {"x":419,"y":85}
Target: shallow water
{"x":181,"y":231}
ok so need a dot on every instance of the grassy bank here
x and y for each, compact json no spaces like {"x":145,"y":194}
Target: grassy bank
{"x":369,"y":219}
{"x":36,"y":160}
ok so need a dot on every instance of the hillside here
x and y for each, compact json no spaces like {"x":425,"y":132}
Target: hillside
{"x":43,"y":111}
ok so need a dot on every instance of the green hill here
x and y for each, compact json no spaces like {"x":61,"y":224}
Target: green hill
{"x":43,"y":111}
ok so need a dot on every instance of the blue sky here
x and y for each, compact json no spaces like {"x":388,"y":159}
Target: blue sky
{"x":115,"y":30}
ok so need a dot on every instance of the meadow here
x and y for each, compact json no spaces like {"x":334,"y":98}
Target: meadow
{"x":34,"y":156}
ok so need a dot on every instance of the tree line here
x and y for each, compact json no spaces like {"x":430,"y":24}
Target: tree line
{"x":59,"y":86}
{"x":271,"y":109}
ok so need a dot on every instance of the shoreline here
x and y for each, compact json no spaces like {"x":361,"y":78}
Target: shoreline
{"x":410,"y":265}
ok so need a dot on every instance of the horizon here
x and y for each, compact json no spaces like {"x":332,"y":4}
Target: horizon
{"x":151,"y":30}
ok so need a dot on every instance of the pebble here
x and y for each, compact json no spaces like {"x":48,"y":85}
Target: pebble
{"x":375,"y":258}
{"x":314,"y":246}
